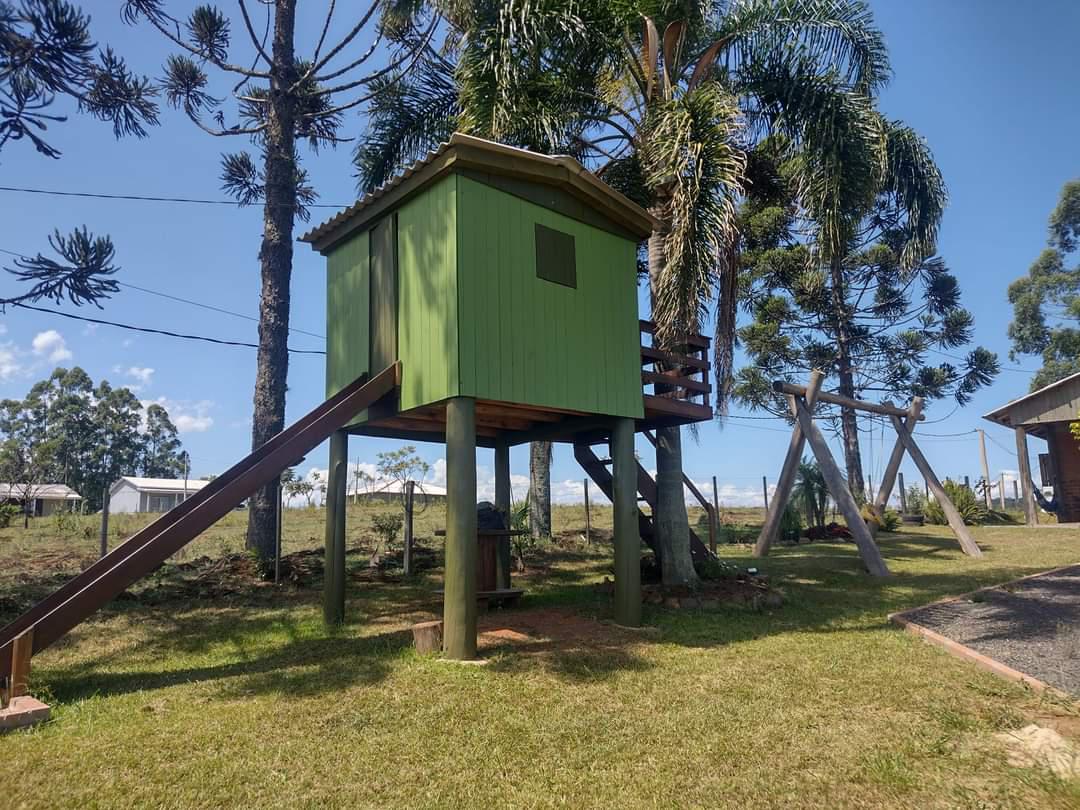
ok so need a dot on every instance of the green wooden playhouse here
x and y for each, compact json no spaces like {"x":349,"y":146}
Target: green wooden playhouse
{"x":503,"y":285}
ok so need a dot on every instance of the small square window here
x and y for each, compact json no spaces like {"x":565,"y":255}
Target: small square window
{"x":555,"y":257}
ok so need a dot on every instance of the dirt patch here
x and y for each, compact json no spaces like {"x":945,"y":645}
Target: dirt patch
{"x":1032,"y":625}
{"x":549,"y":629}
{"x":1037,"y":747}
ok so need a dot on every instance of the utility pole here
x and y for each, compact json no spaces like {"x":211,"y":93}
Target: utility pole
{"x":985,"y":468}
{"x":105,"y":522}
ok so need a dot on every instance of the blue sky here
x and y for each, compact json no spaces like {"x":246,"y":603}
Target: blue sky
{"x":989,"y":85}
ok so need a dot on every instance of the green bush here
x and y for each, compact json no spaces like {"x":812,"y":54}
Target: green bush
{"x":8,"y":512}
{"x":890,"y":520}
{"x":790,"y":522}
{"x":916,"y":501}
{"x":971,"y":509}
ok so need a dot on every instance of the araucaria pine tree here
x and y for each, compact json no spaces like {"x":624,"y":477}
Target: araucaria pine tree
{"x":881,"y":315}
{"x":281,"y":99}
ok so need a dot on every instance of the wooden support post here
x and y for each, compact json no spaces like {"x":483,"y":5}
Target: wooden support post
{"x":1016,"y":490}
{"x":502,"y":503}
{"x":765,"y":491}
{"x":334,"y":540}
{"x":279,"y":508}
{"x":903,"y":493}
{"x":588,"y":517}
{"x":105,"y":523}
{"x":1001,"y":491}
{"x":967,"y":482}
{"x":985,"y":469}
{"x":955,"y":521}
{"x":881,"y":503}
{"x":838,"y":488}
{"x":1031,"y":516}
{"x":407,"y":554}
{"x":22,"y":648}
{"x":787,"y":473}
{"x":627,"y":536}
{"x":459,"y":589}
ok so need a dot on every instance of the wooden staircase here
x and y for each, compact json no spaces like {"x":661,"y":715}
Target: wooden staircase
{"x":57,"y":614}
{"x":597,"y":469}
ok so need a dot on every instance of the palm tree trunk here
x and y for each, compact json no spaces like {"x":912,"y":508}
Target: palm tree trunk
{"x":671,"y":522}
{"x":849,"y":424}
{"x":275,"y":259}
{"x":540,"y":489}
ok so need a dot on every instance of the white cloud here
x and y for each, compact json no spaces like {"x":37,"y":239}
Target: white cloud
{"x":51,"y":344}
{"x":3,"y":329}
{"x":141,"y":374}
{"x":9,"y":362}
{"x":189,"y":417}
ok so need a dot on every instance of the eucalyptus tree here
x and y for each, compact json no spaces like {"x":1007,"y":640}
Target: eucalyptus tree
{"x":1046,"y":302}
{"x":663,"y":117}
{"x":280,"y":100}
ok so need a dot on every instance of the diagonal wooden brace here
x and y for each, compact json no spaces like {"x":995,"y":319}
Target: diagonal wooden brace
{"x":893,"y":467}
{"x":955,"y":521}
{"x":838,"y":488}
{"x":787,"y":473}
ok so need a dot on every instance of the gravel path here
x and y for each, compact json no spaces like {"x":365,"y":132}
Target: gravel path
{"x":1032,"y":626}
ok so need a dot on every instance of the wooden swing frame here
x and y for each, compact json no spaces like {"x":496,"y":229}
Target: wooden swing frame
{"x":801,"y":400}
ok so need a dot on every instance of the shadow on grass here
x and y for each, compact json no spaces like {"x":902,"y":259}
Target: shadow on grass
{"x":827,"y":591}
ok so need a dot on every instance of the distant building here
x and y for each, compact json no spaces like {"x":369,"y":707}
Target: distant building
{"x":45,"y":499}
{"x":390,"y":491}
{"x":131,"y":494}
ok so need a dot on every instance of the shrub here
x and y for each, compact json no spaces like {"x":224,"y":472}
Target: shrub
{"x":971,"y":509}
{"x":386,"y":526}
{"x":790,"y":523}
{"x":890,"y":520}
{"x":8,"y":512}
{"x":916,"y":501}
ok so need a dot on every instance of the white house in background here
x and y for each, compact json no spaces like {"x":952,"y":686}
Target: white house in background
{"x":45,"y":499}
{"x":131,"y":494}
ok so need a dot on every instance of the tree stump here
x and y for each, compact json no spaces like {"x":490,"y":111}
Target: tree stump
{"x":427,"y":637}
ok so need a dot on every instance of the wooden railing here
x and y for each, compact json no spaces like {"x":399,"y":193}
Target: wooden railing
{"x":679,"y":380}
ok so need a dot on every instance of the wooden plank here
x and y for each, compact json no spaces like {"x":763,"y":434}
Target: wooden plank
{"x":775,"y":510}
{"x":673,"y":378}
{"x":653,"y":355}
{"x":897,"y":456}
{"x":22,"y":649}
{"x":782,"y":387}
{"x":700,"y":341}
{"x":955,"y":521}
{"x":838,"y":488}
{"x":673,"y":407}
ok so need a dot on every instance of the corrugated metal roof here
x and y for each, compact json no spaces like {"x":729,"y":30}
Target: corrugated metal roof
{"x":635,"y":217}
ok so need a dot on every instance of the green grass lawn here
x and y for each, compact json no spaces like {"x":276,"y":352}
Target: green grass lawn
{"x":249,"y":702}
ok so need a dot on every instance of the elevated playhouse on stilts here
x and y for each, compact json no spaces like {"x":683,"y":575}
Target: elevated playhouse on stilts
{"x":485,"y":297}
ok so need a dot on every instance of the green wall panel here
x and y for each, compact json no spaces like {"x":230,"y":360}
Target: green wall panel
{"x":526,"y":340}
{"x":428,"y":295}
{"x":347,"y":282}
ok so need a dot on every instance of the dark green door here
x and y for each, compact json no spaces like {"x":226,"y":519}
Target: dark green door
{"x":383,"y":294}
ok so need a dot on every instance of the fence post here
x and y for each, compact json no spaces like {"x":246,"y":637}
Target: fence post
{"x":764,"y":490}
{"x":588,"y":521}
{"x":277,"y":538}
{"x":406,"y":558}
{"x":105,"y":522}
{"x":1001,"y":491}
{"x":903,"y":493}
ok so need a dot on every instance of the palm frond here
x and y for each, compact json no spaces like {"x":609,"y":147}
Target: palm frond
{"x":914,"y":184}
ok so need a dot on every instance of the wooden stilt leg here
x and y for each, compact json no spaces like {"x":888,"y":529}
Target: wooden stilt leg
{"x":459,"y":591}
{"x":334,"y":577}
{"x":787,"y":475}
{"x":838,"y":488}
{"x":627,"y":535}
{"x":955,"y":521}
{"x":893,"y":467}
{"x":1031,"y":515}
{"x":21,"y":650}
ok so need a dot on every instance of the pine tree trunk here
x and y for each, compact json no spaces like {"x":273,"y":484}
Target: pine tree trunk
{"x":672,"y":525}
{"x":849,"y":423}
{"x":275,"y":259}
{"x":540,"y":489}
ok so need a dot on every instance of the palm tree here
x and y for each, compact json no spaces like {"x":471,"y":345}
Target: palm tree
{"x":663,"y":118}
{"x":811,"y":493}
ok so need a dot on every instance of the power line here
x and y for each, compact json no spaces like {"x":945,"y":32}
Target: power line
{"x":148,"y":330}
{"x":147,"y":198}
{"x":1001,"y":446}
{"x":170,"y":297}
